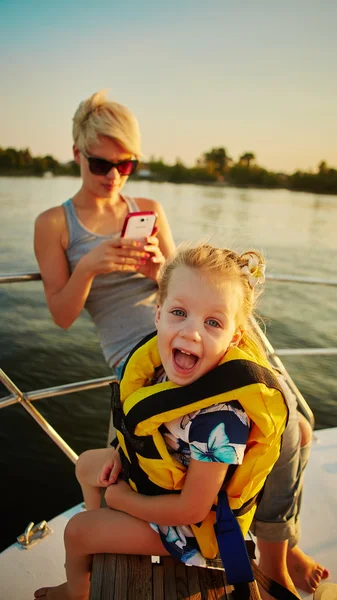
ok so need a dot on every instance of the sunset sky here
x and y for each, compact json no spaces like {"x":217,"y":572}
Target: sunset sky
{"x":256,"y":76}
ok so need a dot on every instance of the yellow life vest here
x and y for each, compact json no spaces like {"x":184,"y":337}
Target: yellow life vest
{"x":142,"y":408}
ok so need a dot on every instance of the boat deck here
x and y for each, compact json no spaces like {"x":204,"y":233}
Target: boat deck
{"x":23,"y":571}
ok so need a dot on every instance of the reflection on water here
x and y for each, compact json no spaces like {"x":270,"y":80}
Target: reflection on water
{"x":295,"y":231}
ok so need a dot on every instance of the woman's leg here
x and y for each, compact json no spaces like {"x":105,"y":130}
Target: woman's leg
{"x":87,"y":469}
{"x":96,"y":532}
{"x":277,"y":523}
{"x":273,"y":562}
{"x":276,"y":519}
{"x":305,"y":572}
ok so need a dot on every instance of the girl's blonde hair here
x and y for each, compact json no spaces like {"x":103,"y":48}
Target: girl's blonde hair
{"x":98,"y":116}
{"x":218,"y":263}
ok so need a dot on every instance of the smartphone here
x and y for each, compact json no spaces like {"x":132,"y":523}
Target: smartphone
{"x":139,"y":225}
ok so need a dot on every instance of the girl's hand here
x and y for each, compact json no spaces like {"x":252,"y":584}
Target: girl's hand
{"x":115,"y":255}
{"x":155,"y":258}
{"x":110,"y":471}
{"x":116,"y":495}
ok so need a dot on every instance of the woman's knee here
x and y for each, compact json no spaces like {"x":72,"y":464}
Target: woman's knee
{"x":305,"y":430}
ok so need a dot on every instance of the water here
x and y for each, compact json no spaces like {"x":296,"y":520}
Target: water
{"x":297,"y":233}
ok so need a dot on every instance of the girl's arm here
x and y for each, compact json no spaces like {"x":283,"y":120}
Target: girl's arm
{"x":192,"y":505}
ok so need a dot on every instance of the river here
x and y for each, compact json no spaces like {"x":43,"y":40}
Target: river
{"x":295,"y":231}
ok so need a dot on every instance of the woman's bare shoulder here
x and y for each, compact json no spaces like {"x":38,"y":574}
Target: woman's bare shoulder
{"x":51,"y":218}
{"x":51,"y":226}
{"x":148,"y":204}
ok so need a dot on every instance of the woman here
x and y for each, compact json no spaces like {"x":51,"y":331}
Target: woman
{"x":83,"y":261}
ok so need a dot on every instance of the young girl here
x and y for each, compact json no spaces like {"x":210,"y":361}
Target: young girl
{"x":200,"y":411}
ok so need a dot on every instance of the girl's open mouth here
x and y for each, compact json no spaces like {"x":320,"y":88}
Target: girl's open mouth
{"x":185,"y":361}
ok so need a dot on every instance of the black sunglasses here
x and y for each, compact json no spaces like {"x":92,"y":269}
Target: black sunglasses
{"x":100,"y":166}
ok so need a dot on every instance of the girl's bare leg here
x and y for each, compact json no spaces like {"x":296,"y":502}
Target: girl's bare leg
{"x":96,"y":532}
{"x":87,"y":470}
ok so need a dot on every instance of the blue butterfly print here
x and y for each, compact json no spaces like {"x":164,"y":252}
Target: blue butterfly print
{"x":217,"y":449}
{"x":175,"y":536}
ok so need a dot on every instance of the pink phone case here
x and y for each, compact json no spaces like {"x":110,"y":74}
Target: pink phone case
{"x":139,"y":225}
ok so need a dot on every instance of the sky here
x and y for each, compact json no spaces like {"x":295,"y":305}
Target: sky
{"x":249,"y":75}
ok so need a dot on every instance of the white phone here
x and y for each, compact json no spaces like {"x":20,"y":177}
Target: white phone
{"x":139,"y":225}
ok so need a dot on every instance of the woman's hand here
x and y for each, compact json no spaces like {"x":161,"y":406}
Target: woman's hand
{"x":115,"y":255}
{"x":155,"y":258}
{"x":110,"y":471}
{"x":116,"y":495}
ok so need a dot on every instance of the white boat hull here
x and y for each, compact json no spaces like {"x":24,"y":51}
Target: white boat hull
{"x":23,"y":571}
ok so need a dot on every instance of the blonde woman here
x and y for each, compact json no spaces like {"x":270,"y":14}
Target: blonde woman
{"x":83,"y":260}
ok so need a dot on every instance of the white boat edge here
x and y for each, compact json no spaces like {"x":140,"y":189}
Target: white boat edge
{"x":23,"y":571}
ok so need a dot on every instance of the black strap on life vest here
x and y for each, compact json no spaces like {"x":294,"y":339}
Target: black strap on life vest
{"x":134,"y":444}
{"x":229,"y":376}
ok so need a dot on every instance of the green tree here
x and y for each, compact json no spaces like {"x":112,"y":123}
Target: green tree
{"x":216,"y":161}
{"x":323,"y":167}
{"x":246,"y":158}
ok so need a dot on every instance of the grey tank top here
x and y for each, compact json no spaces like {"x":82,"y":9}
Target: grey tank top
{"x":122,"y":305}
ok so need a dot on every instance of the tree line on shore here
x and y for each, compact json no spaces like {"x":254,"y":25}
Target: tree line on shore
{"x":213,"y":167}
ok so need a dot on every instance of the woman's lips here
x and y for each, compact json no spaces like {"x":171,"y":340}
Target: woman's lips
{"x":109,"y":187}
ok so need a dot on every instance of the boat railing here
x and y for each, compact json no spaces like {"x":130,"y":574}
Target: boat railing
{"x":36,"y":276}
{"x":26,"y":398}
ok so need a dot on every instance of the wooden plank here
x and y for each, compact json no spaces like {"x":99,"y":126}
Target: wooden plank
{"x":158,"y":582}
{"x":207,"y":582}
{"x":218,"y":584}
{"x":96,"y":577}
{"x":254,"y":591}
{"x":108,"y":587}
{"x":170,"y":588}
{"x":182,"y":581}
{"x":139,"y":583}
{"x":193,"y":583}
{"x":121,"y":577}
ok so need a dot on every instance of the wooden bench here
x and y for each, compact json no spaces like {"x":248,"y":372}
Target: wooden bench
{"x":122,"y":577}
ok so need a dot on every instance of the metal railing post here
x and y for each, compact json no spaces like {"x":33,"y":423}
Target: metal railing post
{"x":42,"y":422}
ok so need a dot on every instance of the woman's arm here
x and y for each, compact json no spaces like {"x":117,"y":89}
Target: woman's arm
{"x":66,"y":293}
{"x":192,"y":505}
{"x":164,"y":235}
{"x":160,"y":246}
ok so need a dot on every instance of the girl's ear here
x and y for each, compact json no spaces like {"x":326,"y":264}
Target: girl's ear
{"x":76,"y":154}
{"x":157,"y":317}
{"x":236,"y":339}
